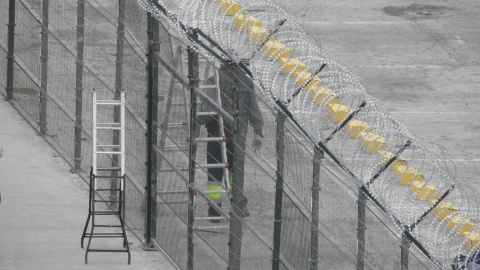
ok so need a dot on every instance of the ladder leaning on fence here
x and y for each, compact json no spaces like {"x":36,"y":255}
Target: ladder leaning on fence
{"x":105,"y":179}
{"x":224,"y":186}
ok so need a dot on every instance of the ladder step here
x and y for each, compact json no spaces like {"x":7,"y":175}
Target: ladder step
{"x":107,"y":250}
{"x":108,"y":102}
{"x":109,"y":128}
{"x":211,"y":227}
{"x":210,"y":166}
{"x":212,"y":139}
{"x":108,"y":189}
{"x":106,"y":201}
{"x":109,"y":146}
{"x":110,"y":124}
{"x":108,"y":169}
{"x":109,"y":152}
{"x":209,"y":218}
{"x":106,"y":213}
{"x":215,"y":191}
{"x":108,"y":177}
{"x":109,"y":226}
{"x":207,"y":113}
{"x":105,"y":234}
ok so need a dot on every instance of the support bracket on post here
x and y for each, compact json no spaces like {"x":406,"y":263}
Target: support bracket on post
{"x":392,"y":159}
{"x":344,"y":123}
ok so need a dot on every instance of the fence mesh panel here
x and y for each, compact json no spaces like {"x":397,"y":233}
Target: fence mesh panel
{"x":348,"y":221}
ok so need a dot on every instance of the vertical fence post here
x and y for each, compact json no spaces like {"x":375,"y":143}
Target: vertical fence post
{"x":11,"y":48}
{"x":404,"y":251}
{"x":237,"y":199}
{"x":118,"y":91}
{"x":152,"y":128}
{"x":318,"y":156}
{"x":77,"y":158}
{"x":155,"y":48}
{"x":44,"y":70}
{"x":362,"y":201}
{"x":149,"y":135}
{"x":193,"y":76}
{"x":277,"y":220}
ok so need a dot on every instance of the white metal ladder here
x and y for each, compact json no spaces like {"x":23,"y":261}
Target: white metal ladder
{"x":223,"y":163}
{"x":111,"y":175}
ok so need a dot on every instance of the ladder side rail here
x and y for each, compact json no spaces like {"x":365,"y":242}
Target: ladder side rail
{"x":94,"y":138}
{"x":122,"y":139}
{"x":226,"y":176}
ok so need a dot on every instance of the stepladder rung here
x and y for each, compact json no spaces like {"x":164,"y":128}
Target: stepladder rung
{"x":108,"y":102}
{"x":209,"y":218}
{"x":212,"y":165}
{"x":108,"y":168}
{"x":216,"y":191}
{"x":108,"y":177}
{"x":108,"y":226}
{"x":108,"y":128}
{"x":108,"y":250}
{"x":106,"y":213}
{"x":107,"y":189}
{"x":212,"y":139}
{"x":108,"y":201}
{"x":110,"y":152}
{"x":105,"y":234}
{"x":213,"y":113}
{"x":166,"y":192}
{"x":108,"y":146}
{"x":200,"y":228}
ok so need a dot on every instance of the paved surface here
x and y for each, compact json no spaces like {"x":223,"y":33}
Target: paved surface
{"x":421,"y":59}
{"x":44,"y":208}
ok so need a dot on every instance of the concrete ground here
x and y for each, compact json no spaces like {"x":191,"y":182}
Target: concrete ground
{"x":421,"y":59}
{"x":44,"y":208}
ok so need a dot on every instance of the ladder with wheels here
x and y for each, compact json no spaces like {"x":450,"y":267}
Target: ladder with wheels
{"x":107,"y":179}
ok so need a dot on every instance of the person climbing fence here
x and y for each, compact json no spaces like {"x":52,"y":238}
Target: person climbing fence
{"x":231,"y":79}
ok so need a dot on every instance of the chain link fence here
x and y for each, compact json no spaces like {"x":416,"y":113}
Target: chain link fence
{"x":318,"y":196}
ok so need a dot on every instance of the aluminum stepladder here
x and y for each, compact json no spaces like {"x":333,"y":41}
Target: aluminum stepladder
{"x":116,"y":174}
{"x":223,"y":163}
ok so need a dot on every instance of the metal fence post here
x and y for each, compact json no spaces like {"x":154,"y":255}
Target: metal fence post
{"x":11,"y":48}
{"x":155,"y":48}
{"x":277,"y":225}
{"x":318,"y":156}
{"x":77,"y":158}
{"x":44,"y":69}
{"x":118,"y":91}
{"x":362,"y":201}
{"x":404,"y":251}
{"x":193,"y":75}
{"x":237,"y":199}
{"x":152,"y":102}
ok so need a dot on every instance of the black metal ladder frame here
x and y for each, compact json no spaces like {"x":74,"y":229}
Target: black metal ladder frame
{"x":120,"y":213}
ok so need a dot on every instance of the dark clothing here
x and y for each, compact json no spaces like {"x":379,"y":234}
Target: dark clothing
{"x":231,"y":79}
